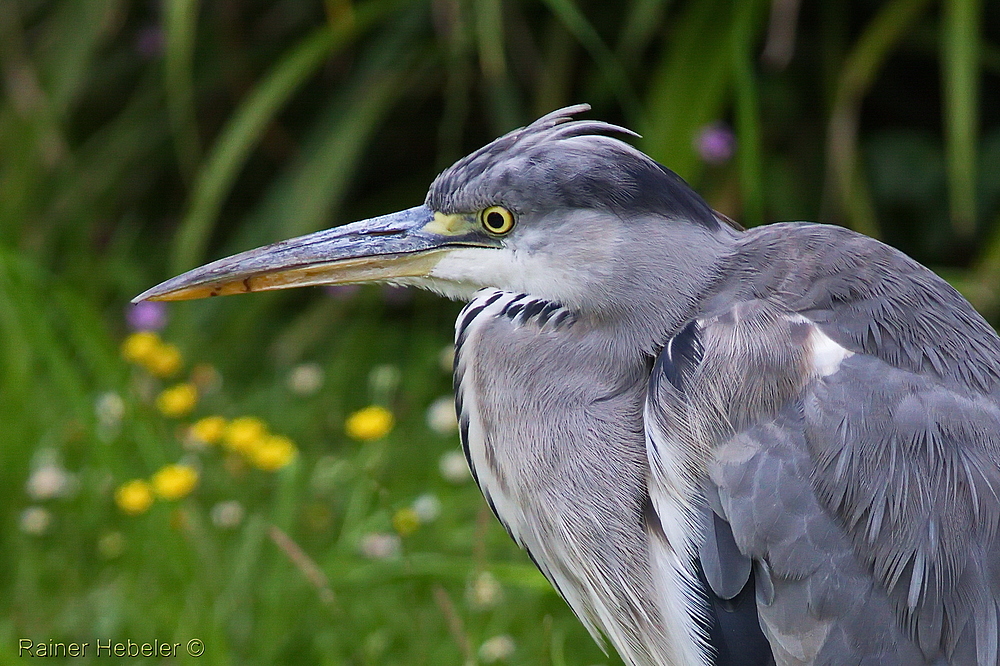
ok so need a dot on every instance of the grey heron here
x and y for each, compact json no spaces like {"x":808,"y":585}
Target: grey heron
{"x":720,"y":446}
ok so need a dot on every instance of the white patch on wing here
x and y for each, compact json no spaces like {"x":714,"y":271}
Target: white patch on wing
{"x":824,"y":353}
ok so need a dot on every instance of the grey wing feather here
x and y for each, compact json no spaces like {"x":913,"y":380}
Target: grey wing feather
{"x":912,"y":471}
{"x":726,"y":568}
{"x":817,"y":603}
{"x":873,"y":500}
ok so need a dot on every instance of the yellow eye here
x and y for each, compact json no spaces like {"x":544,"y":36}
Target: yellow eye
{"x":497,"y":220}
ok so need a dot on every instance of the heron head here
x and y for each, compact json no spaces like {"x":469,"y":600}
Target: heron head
{"x":557,"y":209}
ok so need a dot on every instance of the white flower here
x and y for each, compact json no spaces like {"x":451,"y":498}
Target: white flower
{"x":441,"y":416}
{"x":384,"y":379}
{"x":48,"y":478}
{"x":380,"y":545}
{"x":228,"y":514}
{"x":109,"y":409}
{"x":427,"y":507}
{"x":305,"y":379}
{"x":498,"y":648}
{"x":35,"y":520}
{"x":49,"y":481}
{"x":484,"y":591}
{"x":454,"y":468}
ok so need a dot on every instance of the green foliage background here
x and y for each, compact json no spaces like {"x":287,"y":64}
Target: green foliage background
{"x":138,"y":139}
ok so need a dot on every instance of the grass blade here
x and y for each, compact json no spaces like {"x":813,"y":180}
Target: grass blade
{"x":458,"y":79}
{"x":237,"y":139}
{"x":490,"y":39}
{"x":748,"y":129}
{"x":611,"y":69}
{"x":503,"y":96}
{"x":643,"y":19}
{"x":245,"y":128}
{"x":68,"y":47}
{"x":960,"y":69}
{"x":307,"y":197}
{"x":882,"y":34}
{"x":553,"y":86}
{"x":690,"y":86}
{"x":180,"y":23}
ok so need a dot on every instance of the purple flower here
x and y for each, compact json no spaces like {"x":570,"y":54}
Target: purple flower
{"x":716,"y":143}
{"x":147,"y":316}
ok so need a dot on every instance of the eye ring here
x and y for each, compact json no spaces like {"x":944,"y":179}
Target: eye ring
{"x":496,"y":220}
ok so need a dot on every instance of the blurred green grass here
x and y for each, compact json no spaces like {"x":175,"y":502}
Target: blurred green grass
{"x":141,"y":138}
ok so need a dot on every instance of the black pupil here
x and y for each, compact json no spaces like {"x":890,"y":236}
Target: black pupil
{"x":495,"y":220}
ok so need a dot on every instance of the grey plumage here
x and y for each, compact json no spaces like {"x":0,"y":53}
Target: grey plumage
{"x":673,"y":416}
{"x":885,"y":470}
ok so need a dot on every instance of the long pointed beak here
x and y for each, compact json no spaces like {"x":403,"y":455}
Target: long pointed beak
{"x":406,"y":244}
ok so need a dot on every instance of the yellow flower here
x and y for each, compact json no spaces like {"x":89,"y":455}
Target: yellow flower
{"x":209,"y":429}
{"x":244,"y":433}
{"x":177,"y":400}
{"x":369,"y":423}
{"x":406,"y":521}
{"x":134,"y":497}
{"x":145,"y":348}
{"x":272,"y":453}
{"x":175,"y":481}
{"x":140,"y":346}
{"x":164,"y":361}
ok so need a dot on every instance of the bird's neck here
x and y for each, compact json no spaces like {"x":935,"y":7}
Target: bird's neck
{"x":653,"y":294}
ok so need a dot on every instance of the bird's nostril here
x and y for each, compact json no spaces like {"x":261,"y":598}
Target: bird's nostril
{"x":386,"y":232}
